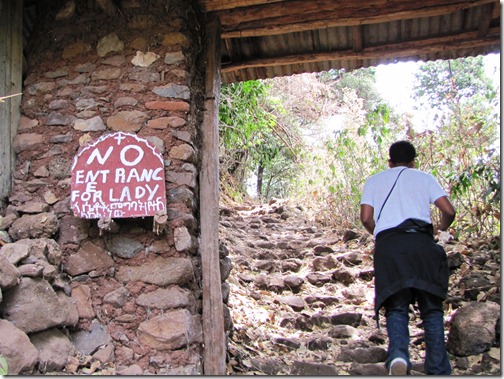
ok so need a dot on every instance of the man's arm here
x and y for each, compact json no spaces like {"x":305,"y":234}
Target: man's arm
{"x":366,"y":217}
{"x":447,"y":212}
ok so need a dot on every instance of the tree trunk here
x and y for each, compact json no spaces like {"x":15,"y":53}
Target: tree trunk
{"x":260,"y":171}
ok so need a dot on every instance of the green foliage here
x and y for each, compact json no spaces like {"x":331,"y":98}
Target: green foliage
{"x":242,"y":118}
{"x":448,"y":83}
{"x":4,"y":367}
{"x":242,"y":114}
{"x":252,"y":139}
{"x":338,"y":167}
{"x":346,"y":161}
{"x":461,"y":149}
{"x":278,"y":130}
{"x":363,"y":83}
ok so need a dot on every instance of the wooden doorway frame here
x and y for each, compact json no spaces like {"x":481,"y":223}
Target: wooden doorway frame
{"x":11,"y":76}
{"x":214,"y":353}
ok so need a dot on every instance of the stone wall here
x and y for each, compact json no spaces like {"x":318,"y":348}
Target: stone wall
{"x":128,"y":300}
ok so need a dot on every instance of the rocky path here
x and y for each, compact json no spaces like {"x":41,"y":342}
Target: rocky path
{"x":301,"y":299}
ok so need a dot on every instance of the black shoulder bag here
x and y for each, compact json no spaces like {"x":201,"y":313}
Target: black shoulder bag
{"x":398,"y":175}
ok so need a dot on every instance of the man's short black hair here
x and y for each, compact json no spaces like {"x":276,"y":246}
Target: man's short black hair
{"x":402,"y":152}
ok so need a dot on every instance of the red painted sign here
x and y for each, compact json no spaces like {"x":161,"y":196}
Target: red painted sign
{"x":119,"y":175}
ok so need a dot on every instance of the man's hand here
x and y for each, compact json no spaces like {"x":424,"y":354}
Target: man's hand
{"x":366,"y":217}
{"x":447,"y":212}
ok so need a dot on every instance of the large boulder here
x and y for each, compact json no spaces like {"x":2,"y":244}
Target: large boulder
{"x":16,"y":347}
{"x":473,"y":328}
{"x":9,"y":274}
{"x":89,"y":341}
{"x":33,"y":306}
{"x":160,"y":271}
{"x":54,"y":349}
{"x":46,"y":248}
{"x":89,"y":257}
{"x":171,"y":330}
{"x":14,"y":252}
{"x":34,"y":226}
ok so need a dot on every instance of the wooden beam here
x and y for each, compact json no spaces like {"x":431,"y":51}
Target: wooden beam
{"x":300,"y":15}
{"x":213,"y":314}
{"x":466,"y":40}
{"x":219,"y":5}
{"x":11,"y":66}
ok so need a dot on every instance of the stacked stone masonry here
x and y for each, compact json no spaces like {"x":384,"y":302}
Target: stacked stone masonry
{"x":128,"y":299}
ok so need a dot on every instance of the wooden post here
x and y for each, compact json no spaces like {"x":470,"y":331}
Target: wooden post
{"x":214,"y":353}
{"x":11,"y":68}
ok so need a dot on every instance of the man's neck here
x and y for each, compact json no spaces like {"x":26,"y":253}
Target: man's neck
{"x":402,"y":164}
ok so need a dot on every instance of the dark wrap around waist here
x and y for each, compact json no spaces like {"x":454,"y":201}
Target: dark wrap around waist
{"x":409,"y":259}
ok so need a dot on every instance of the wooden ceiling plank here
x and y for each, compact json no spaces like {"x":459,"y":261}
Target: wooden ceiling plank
{"x":306,"y":15}
{"x":357,"y":38}
{"x":466,"y":40}
{"x":486,"y":19}
{"x":229,"y":48}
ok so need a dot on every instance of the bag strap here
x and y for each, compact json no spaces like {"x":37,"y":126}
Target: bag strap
{"x":379,"y":214}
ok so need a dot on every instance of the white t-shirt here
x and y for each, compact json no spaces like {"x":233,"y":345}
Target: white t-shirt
{"x":411,"y":198}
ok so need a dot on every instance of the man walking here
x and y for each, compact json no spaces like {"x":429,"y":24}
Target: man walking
{"x":409,"y":265}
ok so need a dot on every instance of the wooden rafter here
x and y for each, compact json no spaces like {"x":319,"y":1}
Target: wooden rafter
{"x":300,"y":15}
{"x":466,"y":40}
{"x":219,"y":5}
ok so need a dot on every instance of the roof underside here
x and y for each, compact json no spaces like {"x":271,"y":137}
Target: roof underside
{"x":265,"y":39}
